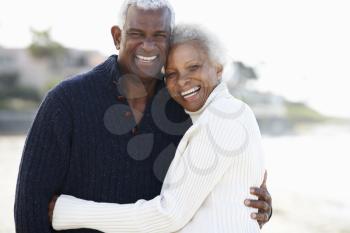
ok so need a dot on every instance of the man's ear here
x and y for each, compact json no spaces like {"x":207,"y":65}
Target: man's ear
{"x":116,"y":34}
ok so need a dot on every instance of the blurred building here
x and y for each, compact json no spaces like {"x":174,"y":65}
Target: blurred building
{"x":25,"y":78}
{"x":269,"y":109}
{"x":38,"y":73}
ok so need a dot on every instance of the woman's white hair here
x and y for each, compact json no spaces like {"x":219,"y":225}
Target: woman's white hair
{"x":146,"y":5}
{"x":183,"y":33}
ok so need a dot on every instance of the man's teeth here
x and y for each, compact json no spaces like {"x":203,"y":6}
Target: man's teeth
{"x":146,"y":59}
{"x":190,"y":92}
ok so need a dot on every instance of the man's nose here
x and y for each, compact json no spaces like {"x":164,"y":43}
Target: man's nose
{"x":148,"y":44}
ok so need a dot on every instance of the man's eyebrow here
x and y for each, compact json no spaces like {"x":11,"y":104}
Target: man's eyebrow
{"x":133,"y":29}
{"x":141,"y":31}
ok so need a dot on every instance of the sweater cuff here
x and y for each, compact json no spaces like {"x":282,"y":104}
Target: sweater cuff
{"x":69,"y":213}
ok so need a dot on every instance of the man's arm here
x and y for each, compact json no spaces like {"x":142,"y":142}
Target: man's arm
{"x":263,"y":204}
{"x":43,"y":166}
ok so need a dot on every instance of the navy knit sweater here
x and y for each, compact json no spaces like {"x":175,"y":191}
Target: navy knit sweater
{"x":85,"y":142}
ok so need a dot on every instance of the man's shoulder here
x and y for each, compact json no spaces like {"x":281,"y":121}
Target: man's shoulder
{"x":101,"y":73}
{"x":99,"y":76}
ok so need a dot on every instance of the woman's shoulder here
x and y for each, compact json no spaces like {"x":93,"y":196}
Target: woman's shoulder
{"x":228,"y":118}
{"x":227,"y":107}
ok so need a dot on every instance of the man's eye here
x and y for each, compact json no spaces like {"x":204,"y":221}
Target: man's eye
{"x":134,"y":34}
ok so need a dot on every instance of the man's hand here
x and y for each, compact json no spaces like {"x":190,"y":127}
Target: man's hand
{"x":263,"y":204}
{"x":52,"y":206}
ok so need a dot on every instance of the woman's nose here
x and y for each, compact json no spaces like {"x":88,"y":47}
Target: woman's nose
{"x":183,"y":80}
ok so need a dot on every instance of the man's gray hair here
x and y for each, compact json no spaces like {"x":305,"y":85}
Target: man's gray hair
{"x":146,"y":5}
{"x":183,"y":33}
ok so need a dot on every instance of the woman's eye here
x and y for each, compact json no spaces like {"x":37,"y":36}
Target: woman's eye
{"x":194,"y":67}
{"x":170,"y":75}
{"x":161,"y":36}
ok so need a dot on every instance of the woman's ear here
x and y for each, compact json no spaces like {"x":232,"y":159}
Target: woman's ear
{"x":219,"y":70}
{"x":116,"y":35}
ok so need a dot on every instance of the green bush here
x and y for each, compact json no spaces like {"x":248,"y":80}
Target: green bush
{"x":20,"y":93}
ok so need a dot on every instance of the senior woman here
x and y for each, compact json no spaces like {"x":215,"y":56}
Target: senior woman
{"x":216,"y":162}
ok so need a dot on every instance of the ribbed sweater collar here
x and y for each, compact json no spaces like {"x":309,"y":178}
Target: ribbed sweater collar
{"x":111,"y":70}
{"x":219,"y":91}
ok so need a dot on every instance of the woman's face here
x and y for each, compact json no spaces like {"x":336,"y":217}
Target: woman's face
{"x":190,"y":75}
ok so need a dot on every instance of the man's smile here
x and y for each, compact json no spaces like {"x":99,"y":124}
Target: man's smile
{"x":146,"y":59}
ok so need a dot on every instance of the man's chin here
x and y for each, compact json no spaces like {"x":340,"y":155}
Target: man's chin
{"x":150,"y":74}
{"x":151,"y":77}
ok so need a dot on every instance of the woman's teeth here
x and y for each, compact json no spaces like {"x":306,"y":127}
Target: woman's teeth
{"x":146,"y":59}
{"x":191,"y":92}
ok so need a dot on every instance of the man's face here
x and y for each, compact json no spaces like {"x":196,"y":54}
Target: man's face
{"x":144,"y":42}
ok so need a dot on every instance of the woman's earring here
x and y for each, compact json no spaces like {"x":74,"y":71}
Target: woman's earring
{"x":163,"y":72}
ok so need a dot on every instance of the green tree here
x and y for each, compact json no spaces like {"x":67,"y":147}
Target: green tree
{"x":245,"y":72}
{"x":43,"y":46}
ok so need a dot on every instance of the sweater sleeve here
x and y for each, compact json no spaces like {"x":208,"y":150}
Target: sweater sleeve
{"x":43,"y":166}
{"x":193,"y":174}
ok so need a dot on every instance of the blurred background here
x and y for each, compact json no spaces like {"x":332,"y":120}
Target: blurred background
{"x":289,"y":60}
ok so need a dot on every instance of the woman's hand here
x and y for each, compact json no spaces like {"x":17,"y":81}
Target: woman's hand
{"x":52,"y":206}
{"x":263,"y":204}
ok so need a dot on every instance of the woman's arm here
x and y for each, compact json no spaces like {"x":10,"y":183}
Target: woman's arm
{"x":191,"y":177}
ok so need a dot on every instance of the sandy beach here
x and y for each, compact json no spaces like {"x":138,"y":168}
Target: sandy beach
{"x":10,"y":156}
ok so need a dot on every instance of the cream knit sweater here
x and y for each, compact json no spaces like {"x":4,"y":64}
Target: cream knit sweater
{"x":217,"y":161}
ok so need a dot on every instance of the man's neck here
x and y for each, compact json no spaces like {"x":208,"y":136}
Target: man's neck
{"x":137,"y":92}
{"x":138,"y":89}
